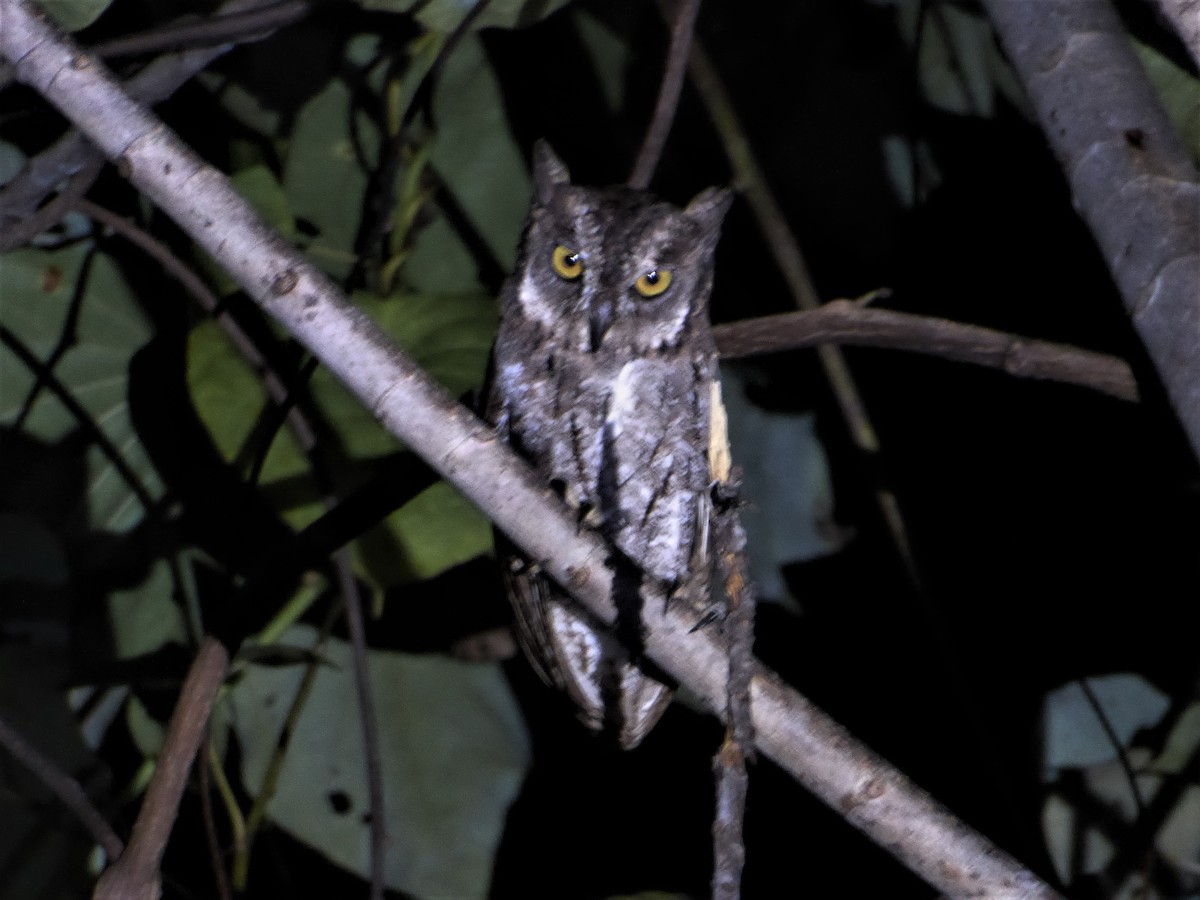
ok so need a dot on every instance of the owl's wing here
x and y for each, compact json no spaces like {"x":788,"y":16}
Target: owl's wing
{"x":595,"y":670}
{"x":529,"y":591}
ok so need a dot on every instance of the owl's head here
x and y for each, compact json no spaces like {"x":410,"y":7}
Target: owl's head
{"x":614,"y":268}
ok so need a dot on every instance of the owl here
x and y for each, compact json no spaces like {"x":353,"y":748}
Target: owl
{"x":605,"y":379}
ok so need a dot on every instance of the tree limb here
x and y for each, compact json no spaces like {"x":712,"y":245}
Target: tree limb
{"x":849,"y":322}
{"x":1130,"y":175}
{"x":872,"y":795}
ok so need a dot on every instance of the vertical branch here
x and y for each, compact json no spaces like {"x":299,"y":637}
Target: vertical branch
{"x":682,"y":28}
{"x":729,"y":849}
{"x":366,"y":715}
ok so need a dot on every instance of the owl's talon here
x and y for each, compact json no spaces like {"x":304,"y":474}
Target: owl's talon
{"x":726,"y":495}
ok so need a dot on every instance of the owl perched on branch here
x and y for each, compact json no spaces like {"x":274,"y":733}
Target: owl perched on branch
{"x":605,"y":379}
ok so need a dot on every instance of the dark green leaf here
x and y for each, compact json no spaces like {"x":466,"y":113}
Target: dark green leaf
{"x":454,"y":753}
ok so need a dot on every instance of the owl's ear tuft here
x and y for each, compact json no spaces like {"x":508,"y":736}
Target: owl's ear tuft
{"x":708,"y":208}
{"x":548,"y":172}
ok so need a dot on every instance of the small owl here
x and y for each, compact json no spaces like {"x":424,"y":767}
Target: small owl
{"x":605,"y":379}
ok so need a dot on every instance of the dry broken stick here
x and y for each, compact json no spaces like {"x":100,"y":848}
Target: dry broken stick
{"x":729,"y":850}
{"x":865,"y":789}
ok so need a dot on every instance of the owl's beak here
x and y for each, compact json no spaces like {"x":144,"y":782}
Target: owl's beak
{"x":599,"y":321}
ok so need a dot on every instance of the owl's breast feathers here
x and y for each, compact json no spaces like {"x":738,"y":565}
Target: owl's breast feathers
{"x":626,"y":439}
{"x":655,"y":442}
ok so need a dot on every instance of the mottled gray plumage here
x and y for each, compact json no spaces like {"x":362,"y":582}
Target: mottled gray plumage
{"x":604,"y":372}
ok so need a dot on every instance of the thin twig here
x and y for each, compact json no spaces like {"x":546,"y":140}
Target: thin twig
{"x":237,"y":822}
{"x":210,"y":825}
{"x":274,"y":769}
{"x":381,"y":206}
{"x":82,"y":417}
{"x":367,"y":718}
{"x":306,"y":435}
{"x":64,"y":787}
{"x":68,"y":335}
{"x":848,"y":322}
{"x":729,"y":847}
{"x":234,"y":28}
{"x":16,"y":234}
{"x":277,"y":390}
{"x":729,"y":850}
{"x":156,"y":250}
{"x":683,"y":27}
{"x":135,"y":875}
{"x":1114,"y":740}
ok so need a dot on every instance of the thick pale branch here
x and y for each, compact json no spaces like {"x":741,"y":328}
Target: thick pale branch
{"x":873,"y":796}
{"x":1131,"y":177}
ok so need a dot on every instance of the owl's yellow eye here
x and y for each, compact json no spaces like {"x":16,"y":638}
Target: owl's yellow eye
{"x":566,"y":262}
{"x":653,"y":282}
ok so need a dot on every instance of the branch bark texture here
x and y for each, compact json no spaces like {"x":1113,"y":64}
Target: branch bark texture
{"x":1130,"y":174}
{"x":867,"y":791}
